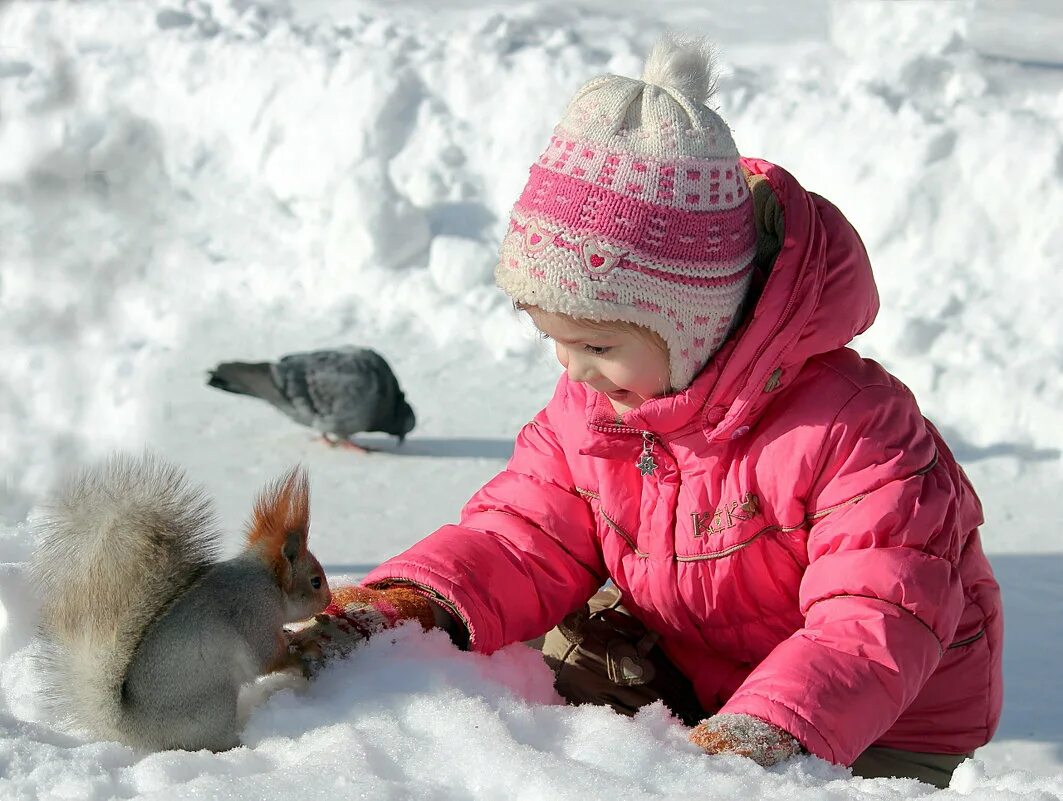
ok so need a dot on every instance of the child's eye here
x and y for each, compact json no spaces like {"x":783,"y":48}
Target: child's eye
{"x":597,"y":351}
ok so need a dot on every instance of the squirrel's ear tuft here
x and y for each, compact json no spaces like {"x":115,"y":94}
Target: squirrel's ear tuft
{"x":280,"y":521}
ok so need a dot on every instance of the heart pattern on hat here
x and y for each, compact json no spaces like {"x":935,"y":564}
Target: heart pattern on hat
{"x":599,"y":258}
{"x":536,"y":238}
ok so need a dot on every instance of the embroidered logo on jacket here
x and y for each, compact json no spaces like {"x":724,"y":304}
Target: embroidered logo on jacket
{"x":727,"y":516}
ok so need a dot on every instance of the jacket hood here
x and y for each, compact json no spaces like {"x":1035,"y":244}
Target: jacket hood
{"x":818,"y":295}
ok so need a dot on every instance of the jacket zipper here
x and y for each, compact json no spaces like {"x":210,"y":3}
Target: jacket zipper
{"x":645,"y":463}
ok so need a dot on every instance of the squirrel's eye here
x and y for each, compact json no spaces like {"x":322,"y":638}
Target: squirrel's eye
{"x":315,"y":582}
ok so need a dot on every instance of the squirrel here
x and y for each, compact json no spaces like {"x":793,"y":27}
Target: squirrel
{"x":146,"y":636}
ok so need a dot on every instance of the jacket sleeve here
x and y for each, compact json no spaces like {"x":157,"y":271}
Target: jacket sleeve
{"x":525,"y":552}
{"x":881,"y":596}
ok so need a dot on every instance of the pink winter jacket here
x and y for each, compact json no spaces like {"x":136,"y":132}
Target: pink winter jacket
{"x":807,"y":549}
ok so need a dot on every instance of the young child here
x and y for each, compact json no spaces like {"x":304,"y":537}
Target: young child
{"x":793,"y":550}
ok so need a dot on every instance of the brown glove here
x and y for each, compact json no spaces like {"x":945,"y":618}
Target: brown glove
{"x":745,"y":735}
{"x":355,"y":614}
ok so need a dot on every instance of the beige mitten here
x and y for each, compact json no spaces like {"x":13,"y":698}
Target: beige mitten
{"x":745,"y":735}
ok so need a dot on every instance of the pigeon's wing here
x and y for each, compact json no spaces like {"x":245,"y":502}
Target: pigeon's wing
{"x":344,"y":388}
{"x":291,"y":375}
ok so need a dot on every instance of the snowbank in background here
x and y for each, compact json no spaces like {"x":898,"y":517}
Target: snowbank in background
{"x":1031,"y":31}
{"x":200,"y":166}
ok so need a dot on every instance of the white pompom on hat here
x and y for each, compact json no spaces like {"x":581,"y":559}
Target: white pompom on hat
{"x":638,"y":211}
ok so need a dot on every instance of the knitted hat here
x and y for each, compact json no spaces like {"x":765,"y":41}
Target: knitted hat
{"x":638,"y":211}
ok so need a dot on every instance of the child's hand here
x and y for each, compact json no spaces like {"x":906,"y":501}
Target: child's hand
{"x":325,"y":637}
{"x":355,"y":614}
{"x":745,"y":735}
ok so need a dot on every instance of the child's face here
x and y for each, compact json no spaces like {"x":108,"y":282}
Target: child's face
{"x":627,"y":367}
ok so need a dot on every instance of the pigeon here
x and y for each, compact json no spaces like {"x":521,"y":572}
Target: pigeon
{"x":339,"y":392}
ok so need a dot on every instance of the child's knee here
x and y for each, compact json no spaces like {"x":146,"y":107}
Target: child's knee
{"x":892,"y":763}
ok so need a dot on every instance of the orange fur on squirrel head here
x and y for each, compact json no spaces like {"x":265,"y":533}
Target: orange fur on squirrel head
{"x":280,"y":523}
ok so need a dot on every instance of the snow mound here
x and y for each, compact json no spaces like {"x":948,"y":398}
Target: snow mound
{"x":407,"y":716}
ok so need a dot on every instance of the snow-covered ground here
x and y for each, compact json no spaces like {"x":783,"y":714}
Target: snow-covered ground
{"x":189,"y":182}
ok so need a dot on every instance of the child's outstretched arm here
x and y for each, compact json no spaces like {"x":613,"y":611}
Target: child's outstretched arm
{"x":353,"y":616}
{"x":524,"y":553}
{"x":882,"y":594}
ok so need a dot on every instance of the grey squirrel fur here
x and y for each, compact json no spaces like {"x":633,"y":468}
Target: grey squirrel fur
{"x":147,"y":637}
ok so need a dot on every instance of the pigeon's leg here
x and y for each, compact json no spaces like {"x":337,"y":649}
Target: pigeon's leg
{"x":351,"y":445}
{"x":346,"y":444}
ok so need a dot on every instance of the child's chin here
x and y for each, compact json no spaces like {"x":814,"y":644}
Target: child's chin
{"x":623,"y":401}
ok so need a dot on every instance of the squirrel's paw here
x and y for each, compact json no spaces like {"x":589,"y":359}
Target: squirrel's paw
{"x":745,"y":735}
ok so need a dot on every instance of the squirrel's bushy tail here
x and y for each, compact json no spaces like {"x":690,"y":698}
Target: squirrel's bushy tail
{"x":116,"y":544}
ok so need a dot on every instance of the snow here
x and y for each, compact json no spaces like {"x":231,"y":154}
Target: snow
{"x":189,"y":182}
{"x":1030,"y":33}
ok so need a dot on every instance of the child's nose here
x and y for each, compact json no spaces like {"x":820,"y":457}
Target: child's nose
{"x":579,"y":369}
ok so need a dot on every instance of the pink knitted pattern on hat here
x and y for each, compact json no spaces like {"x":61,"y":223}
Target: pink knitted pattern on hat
{"x":637,"y":211}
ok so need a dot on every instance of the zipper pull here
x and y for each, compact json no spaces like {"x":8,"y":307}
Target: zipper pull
{"x":645,"y":464}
